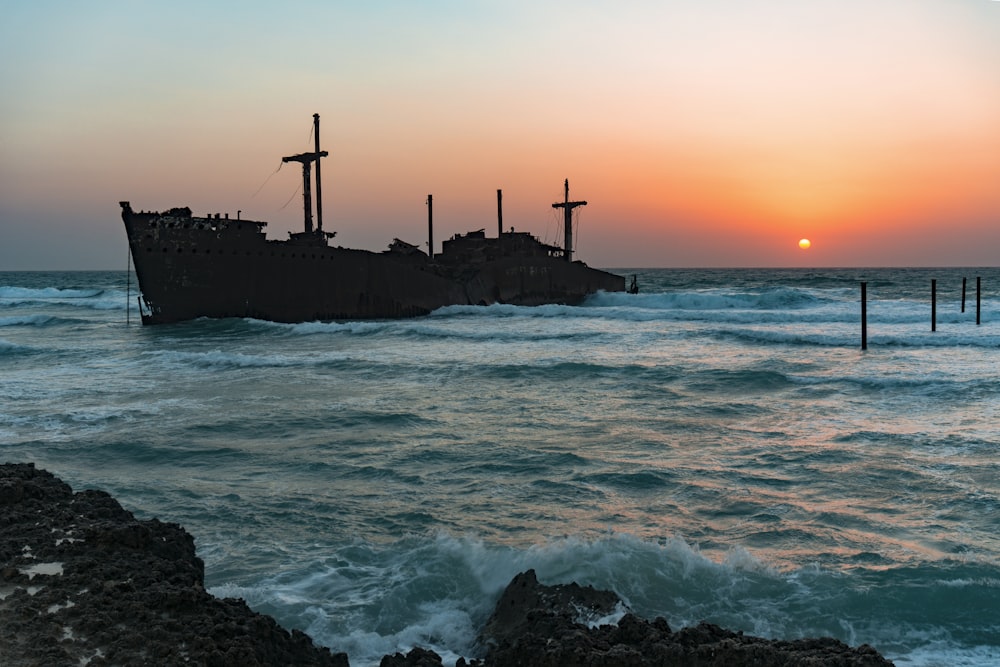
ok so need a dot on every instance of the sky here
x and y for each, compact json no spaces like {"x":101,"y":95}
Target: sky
{"x":702,"y":133}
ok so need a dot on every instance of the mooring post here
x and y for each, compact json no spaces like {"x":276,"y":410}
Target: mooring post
{"x":978,"y":300}
{"x":430,"y":226}
{"x":864,"y":316}
{"x":933,"y":304}
{"x":963,"y":294}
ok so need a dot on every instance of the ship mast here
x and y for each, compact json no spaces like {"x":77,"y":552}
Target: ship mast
{"x":319,"y":189}
{"x":568,"y":207}
{"x":307,"y":159}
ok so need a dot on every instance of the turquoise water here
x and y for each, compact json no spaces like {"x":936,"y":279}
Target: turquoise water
{"x":715,"y":448}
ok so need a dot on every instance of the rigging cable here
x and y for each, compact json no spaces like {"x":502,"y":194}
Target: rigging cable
{"x":266,"y":180}
{"x":576,"y":231}
{"x":299,"y":188}
{"x":290,"y":198}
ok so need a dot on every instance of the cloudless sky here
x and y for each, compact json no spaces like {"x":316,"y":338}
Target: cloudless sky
{"x":701,"y":132}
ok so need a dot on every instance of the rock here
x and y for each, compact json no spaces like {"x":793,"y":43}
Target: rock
{"x":417,"y":657}
{"x":84,"y":582}
{"x":534,"y":624}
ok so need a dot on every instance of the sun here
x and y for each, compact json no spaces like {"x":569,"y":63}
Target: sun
{"x":805,"y":243}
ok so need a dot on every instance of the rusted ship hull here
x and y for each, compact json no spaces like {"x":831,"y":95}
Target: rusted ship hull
{"x":190,"y":267}
{"x":213,"y":266}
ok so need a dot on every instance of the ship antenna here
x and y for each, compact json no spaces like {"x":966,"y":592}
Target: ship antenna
{"x":568,"y":207}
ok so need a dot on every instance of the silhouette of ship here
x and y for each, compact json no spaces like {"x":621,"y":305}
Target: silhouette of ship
{"x":190,"y":267}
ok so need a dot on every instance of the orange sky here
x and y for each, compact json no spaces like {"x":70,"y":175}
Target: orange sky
{"x":703,"y":133}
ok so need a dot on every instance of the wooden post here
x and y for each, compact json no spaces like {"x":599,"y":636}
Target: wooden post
{"x":978,"y":300}
{"x":864,"y":316}
{"x":499,"y":213}
{"x":963,"y":294}
{"x":933,"y":304}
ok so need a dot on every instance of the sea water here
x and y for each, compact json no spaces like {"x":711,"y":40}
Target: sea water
{"x":716,"y":447}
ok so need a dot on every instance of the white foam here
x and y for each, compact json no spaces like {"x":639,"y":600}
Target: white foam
{"x":96,"y":299}
{"x":218,"y":358}
{"x":85,"y":660}
{"x":938,"y":654}
{"x":436,"y":592}
{"x":53,"y":608}
{"x":360,"y":327}
{"x":594,"y":620}
{"x":14,"y":293}
{"x":44,"y":569}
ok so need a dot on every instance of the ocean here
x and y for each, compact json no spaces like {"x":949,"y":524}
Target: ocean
{"x":716,"y":447}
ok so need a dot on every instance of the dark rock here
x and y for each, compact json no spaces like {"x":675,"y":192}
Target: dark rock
{"x":417,"y":657}
{"x":543,"y":625}
{"x":84,"y":582}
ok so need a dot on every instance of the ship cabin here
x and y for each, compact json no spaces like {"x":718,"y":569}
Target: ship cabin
{"x":475,"y":247}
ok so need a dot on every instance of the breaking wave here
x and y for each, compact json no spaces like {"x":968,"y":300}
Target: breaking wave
{"x":96,"y":299}
{"x":435,"y":591}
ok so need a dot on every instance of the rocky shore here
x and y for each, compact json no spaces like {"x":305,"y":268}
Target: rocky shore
{"x":82,"y":582}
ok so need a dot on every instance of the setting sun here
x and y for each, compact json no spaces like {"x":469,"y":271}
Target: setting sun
{"x":805,"y":243}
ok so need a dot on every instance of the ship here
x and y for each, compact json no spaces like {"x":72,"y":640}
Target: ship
{"x":216,"y":266}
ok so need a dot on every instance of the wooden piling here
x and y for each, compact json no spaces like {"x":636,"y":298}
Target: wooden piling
{"x":963,"y":294}
{"x":978,"y":300}
{"x":933,"y":304}
{"x":864,"y":316}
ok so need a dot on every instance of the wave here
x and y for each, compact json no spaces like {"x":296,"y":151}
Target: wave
{"x":777,"y":306}
{"x":436,"y":591}
{"x":9,"y":349}
{"x":739,"y":380}
{"x":852,"y":338}
{"x":7,"y":292}
{"x":713,"y":299}
{"x":437,"y":325}
{"x":39,"y":320}
{"x":95,"y":298}
{"x":223,"y":359}
{"x":360,"y":328}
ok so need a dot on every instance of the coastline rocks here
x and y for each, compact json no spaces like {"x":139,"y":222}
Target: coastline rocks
{"x":83,"y":582}
{"x":570,"y":625}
